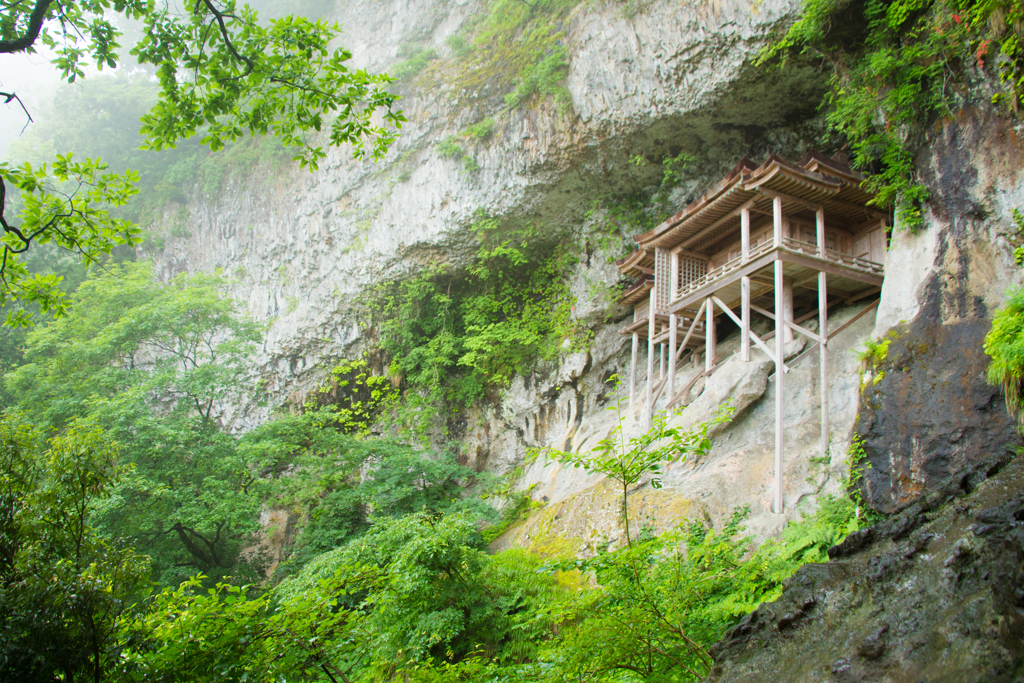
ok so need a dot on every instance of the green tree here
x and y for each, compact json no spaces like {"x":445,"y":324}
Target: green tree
{"x":453,"y":335}
{"x":222,"y":73}
{"x":346,"y":482}
{"x":1004,"y":344}
{"x":627,"y":462}
{"x":438,"y":597}
{"x":63,"y":585}
{"x":153,"y":364}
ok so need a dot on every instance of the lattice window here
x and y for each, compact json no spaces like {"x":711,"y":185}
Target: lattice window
{"x":662,"y":277}
{"x":690,"y":269}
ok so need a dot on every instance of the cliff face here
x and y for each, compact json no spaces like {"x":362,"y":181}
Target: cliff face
{"x":932,"y":593}
{"x":931,"y":413}
{"x":667,"y":79}
{"x":645,"y":82}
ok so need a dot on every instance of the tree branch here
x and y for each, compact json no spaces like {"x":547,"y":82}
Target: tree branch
{"x":8,"y":96}
{"x":226,"y":35}
{"x":35,"y":24}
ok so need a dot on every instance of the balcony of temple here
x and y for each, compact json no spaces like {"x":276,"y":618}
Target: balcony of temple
{"x":768,"y":240}
{"x":814,"y":215}
{"x":640,"y":265}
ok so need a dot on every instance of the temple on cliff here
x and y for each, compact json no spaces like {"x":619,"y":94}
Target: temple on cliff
{"x":767,"y":240}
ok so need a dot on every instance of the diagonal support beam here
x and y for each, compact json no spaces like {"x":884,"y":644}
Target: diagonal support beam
{"x":757,"y":340}
{"x":689,"y":332}
{"x":855,"y":318}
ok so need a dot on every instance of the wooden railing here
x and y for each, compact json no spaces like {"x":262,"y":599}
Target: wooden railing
{"x":833,"y":255}
{"x":764,"y":248}
{"x":723,"y":270}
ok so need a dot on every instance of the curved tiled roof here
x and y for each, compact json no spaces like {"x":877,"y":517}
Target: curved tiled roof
{"x":814,"y":180}
{"x":637,"y":291}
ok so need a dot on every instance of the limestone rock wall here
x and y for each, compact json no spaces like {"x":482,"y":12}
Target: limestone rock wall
{"x":303,"y":246}
{"x":929,"y":413}
{"x":932,"y":594}
{"x":670,"y":77}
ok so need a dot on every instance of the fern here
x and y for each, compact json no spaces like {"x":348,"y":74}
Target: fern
{"x":1005,"y":345}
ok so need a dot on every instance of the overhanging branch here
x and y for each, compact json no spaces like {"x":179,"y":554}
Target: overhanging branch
{"x":35,"y":24}
{"x":8,"y":96}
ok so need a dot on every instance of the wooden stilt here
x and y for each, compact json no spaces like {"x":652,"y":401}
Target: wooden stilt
{"x":673,"y":331}
{"x":745,"y":319}
{"x":745,"y":287}
{"x":787,"y":311}
{"x":649,"y":398}
{"x":745,"y":235}
{"x":779,"y":382}
{"x":661,"y":359}
{"x":709,"y":335}
{"x":819,"y":224}
{"x":673,"y":288}
{"x":632,"y":368}
{"x":823,"y":333}
{"x":777,"y":222}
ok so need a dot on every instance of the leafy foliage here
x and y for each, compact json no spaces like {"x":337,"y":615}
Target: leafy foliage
{"x":1004,"y":343}
{"x":353,"y":397}
{"x":661,"y":602}
{"x":546,"y":77}
{"x":414,"y":60}
{"x":66,"y":204}
{"x":515,"y":52}
{"x":345,"y":482}
{"x":222,"y":73}
{"x":99,"y":117}
{"x":152,"y":365}
{"x":412,"y":593}
{"x":899,"y":66}
{"x":63,"y":586}
{"x":626,"y":463}
{"x":452,"y":335}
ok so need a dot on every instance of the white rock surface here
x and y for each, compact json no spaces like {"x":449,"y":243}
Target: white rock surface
{"x":672,"y":77}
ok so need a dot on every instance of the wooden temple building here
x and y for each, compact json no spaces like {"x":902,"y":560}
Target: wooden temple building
{"x":767,"y":240}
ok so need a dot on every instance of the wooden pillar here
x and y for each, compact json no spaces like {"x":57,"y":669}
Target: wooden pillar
{"x":777,"y":221}
{"x":823,"y":332}
{"x":709,"y":335}
{"x":787,"y":311}
{"x":745,"y":286}
{"x":673,"y":287}
{"x":823,"y":359}
{"x":744,"y":317}
{"x":649,"y":398}
{"x":673,"y":330}
{"x":632,"y":369}
{"x":787,"y":290}
{"x":661,"y":359}
{"x":819,"y":220}
{"x":745,"y":235}
{"x":779,"y":373}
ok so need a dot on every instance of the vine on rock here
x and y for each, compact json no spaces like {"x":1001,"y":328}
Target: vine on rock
{"x":454,"y":334}
{"x":899,"y":66}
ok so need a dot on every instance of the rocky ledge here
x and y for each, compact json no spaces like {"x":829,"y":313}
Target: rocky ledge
{"x":935,"y":593}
